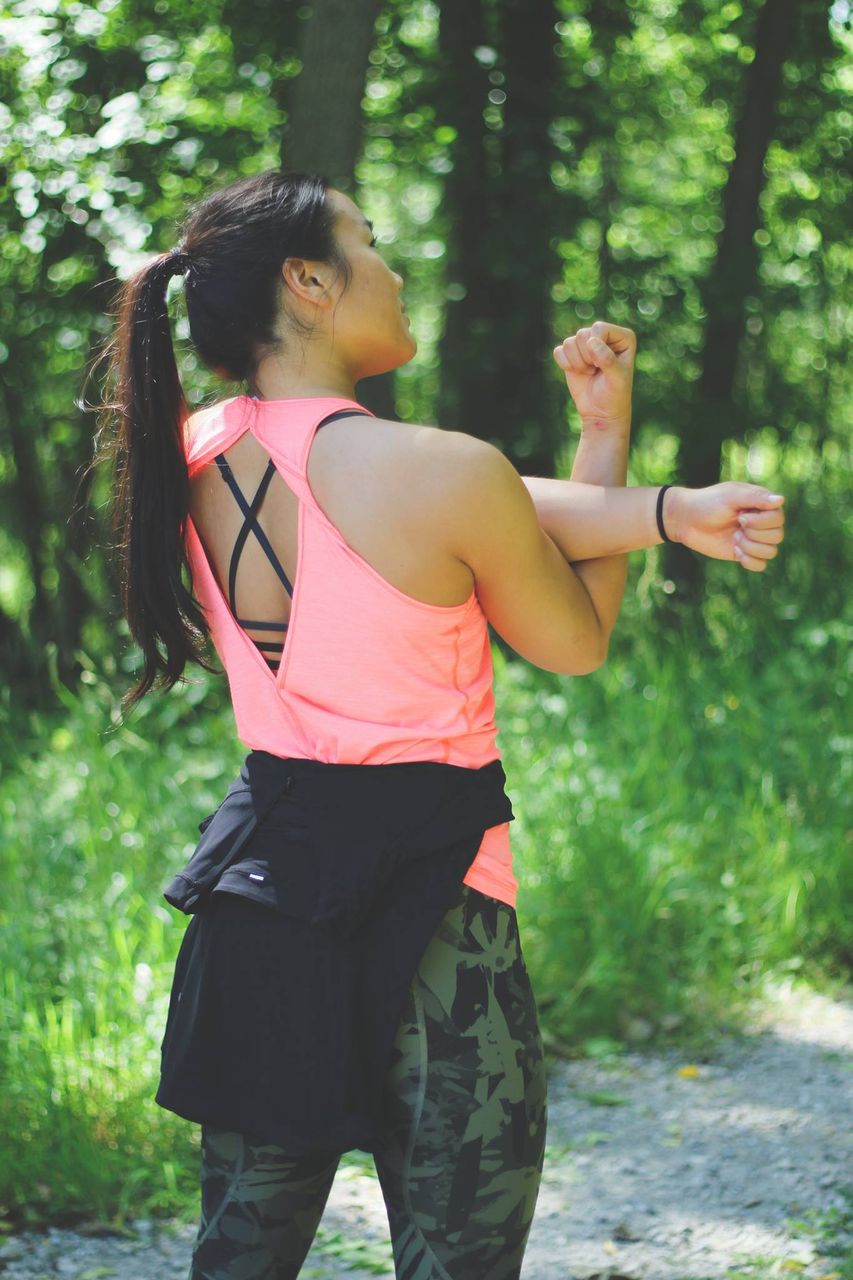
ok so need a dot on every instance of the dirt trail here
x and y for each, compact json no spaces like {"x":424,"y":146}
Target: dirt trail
{"x":734,"y":1170}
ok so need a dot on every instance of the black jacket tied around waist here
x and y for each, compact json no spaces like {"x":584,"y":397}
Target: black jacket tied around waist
{"x":285,"y":1001}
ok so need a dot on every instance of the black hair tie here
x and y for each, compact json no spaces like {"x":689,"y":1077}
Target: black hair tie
{"x":178,"y":260}
{"x":659,"y":513}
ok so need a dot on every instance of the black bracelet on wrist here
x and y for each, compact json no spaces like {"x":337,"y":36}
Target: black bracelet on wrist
{"x":659,"y":513}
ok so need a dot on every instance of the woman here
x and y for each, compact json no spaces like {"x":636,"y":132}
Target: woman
{"x":352,"y":975}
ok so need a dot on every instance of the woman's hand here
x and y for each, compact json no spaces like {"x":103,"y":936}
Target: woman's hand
{"x":729,"y":521}
{"x":599,"y":366}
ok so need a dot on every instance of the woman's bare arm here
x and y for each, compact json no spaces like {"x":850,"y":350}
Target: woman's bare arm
{"x":602,"y":459}
{"x":733,"y":520}
{"x":595,"y":520}
{"x":588,"y":520}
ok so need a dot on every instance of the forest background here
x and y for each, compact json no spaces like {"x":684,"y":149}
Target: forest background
{"x":683,"y":814}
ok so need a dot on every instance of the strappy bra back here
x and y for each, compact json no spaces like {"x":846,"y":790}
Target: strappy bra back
{"x":271,"y":650}
{"x":368,"y":674}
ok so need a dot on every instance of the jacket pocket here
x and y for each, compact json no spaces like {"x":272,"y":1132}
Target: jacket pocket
{"x":281,"y":870}
{"x":223,"y":834}
{"x":292,"y":870}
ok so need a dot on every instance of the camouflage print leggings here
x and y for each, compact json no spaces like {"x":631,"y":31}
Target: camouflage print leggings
{"x":463,"y":1134}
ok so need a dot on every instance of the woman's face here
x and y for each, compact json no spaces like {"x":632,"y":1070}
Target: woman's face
{"x":367,"y":328}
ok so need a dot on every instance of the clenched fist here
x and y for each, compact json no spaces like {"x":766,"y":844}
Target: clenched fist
{"x":733,"y":520}
{"x":599,"y":366}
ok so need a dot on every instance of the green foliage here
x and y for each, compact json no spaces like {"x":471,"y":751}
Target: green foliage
{"x":99,"y":818}
{"x":679,"y":834}
{"x":686,"y":817}
{"x":114,"y":116}
{"x":681,"y":814}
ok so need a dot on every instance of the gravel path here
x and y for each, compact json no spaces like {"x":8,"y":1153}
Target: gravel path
{"x":722,"y":1172}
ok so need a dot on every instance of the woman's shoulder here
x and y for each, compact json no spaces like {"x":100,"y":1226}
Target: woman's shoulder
{"x":209,"y":424}
{"x":422,"y":441}
{"x":418,"y":458}
{"x":196,"y":418}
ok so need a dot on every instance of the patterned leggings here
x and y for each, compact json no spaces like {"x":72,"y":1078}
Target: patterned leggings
{"x":463,"y":1133}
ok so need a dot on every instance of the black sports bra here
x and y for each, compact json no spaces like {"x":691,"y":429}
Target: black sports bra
{"x":250,"y":524}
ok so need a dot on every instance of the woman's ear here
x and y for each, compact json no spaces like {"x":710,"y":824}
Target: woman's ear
{"x":297,"y":276}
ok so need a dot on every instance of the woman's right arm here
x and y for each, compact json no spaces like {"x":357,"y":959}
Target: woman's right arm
{"x":530,"y":594}
{"x":731,"y":520}
{"x":594,"y":518}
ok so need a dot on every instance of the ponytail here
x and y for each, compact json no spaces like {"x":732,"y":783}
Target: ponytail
{"x":234,"y":244}
{"x":150,"y":499}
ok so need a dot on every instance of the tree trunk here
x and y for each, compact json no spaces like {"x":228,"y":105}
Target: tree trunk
{"x":323,"y":130}
{"x":527,"y":384}
{"x":716,"y":415}
{"x":734,"y":275}
{"x":323,"y":133}
{"x":461,"y":89}
{"x":501,"y":214}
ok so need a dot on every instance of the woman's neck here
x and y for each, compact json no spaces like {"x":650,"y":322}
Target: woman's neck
{"x":274,"y":383}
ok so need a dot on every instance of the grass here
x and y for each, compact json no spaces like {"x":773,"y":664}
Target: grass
{"x":678,"y":838}
{"x":833,"y":1236}
{"x":682,"y":832}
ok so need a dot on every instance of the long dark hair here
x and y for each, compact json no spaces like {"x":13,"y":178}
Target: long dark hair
{"x":233,"y":244}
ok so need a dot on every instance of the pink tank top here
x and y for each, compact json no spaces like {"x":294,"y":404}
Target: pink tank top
{"x":368,"y":675}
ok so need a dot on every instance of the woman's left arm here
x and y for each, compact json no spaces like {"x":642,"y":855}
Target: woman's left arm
{"x":728,"y":521}
{"x":594,"y":517}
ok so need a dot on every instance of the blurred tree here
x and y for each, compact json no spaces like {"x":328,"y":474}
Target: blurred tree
{"x":530,"y":168}
{"x":323,"y":127}
{"x":102,"y":96}
{"x":498,"y":92}
{"x":93,"y":159}
{"x":719,"y":411}
{"x":323,"y":130}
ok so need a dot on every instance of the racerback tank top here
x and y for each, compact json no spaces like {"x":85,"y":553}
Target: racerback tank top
{"x":365,"y":674}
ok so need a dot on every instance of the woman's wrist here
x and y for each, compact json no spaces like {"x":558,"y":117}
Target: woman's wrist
{"x":601,"y":456}
{"x":673,"y":514}
{"x":599,"y":426}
